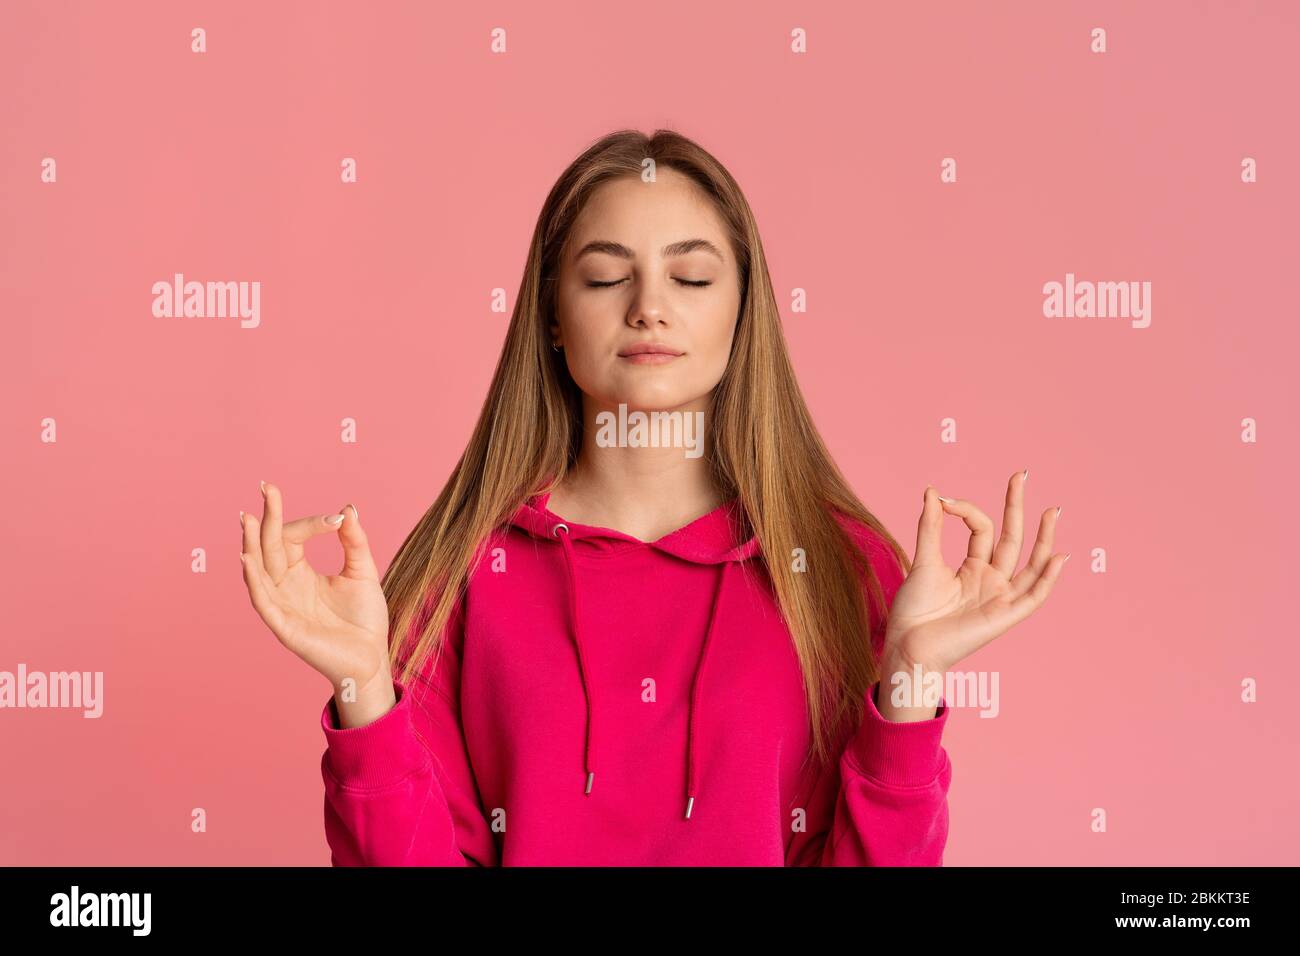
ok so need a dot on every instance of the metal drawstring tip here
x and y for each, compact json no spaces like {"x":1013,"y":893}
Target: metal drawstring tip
{"x":690,"y":802}
{"x":590,"y":776}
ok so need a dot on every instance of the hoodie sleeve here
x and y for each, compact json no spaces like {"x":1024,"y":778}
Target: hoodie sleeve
{"x":892,"y":802}
{"x":400,"y":791}
{"x":890,"y":781}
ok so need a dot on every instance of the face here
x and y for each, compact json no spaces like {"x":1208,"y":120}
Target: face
{"x":649,"y":292}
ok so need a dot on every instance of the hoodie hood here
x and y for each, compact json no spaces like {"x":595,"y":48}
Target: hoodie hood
{"x":712,"y":539}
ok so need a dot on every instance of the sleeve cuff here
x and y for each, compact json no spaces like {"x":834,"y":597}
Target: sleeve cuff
{"x":375,"y":755}
{"x":898,"y":753}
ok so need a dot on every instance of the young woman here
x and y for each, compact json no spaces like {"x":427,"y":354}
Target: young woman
{"x":618,"y":650}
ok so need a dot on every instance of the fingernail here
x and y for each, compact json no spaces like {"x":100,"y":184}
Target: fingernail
{"x":241,"y":519}
{"x":1026,"y":474}
{"x":1067,"y":558}
{"x":241,"y":557}
{"x":1058,"y":510}
{"x":335,"y":520}
{"x":355,"y":514}
{"x":942,"y":498}
{"x":263,"y":486}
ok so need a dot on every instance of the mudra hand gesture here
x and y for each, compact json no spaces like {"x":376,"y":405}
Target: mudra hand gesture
{"x":940,"y":616}
{"x":336,"y":623}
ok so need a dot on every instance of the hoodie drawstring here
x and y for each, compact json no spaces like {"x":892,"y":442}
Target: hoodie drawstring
{"x":696,"y":684}
{"x":561,"y":531}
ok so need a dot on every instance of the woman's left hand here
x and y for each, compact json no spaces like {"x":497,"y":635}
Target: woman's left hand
{"x":940,"y":616}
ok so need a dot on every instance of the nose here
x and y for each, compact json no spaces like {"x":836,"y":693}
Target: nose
{"x":648,"y":308}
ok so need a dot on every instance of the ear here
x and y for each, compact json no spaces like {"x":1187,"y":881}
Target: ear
{"x":553,"y":327}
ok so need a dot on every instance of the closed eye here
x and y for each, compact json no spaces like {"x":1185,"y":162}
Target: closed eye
{"x":698,"y":284}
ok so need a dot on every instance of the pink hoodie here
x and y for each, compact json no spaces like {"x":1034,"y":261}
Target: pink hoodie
{"x":602,"y":700}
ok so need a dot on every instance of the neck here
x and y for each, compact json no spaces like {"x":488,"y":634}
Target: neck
{"x":646,"y":492}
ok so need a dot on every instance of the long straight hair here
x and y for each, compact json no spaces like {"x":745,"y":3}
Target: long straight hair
{"x":764,"y":451}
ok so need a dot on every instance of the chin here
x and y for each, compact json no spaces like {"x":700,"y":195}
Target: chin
{"x":648,"y":399}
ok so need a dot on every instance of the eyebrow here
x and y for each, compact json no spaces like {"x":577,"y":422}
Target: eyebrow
{"x":672,"y":249}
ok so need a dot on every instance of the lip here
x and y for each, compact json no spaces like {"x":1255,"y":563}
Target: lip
{"x":651,"y":358}
{"x":649,"y":353}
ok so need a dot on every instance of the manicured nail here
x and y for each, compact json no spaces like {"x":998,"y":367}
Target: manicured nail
{"x":1058,"y":510}
{"x":335,"y":520}
{"x":241,"y":519}
{"x":355,"y":514}
{"x":1067,"y":558}
{"x":1026,"y":474}
{"x":942,"y":498}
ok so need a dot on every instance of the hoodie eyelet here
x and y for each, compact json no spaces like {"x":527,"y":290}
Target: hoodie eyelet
{"x":556,"y":530}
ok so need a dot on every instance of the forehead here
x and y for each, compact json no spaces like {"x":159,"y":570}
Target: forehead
{"x":645,"y":216}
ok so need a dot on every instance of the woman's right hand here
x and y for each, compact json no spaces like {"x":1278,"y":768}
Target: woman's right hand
{"x":337,"y":624}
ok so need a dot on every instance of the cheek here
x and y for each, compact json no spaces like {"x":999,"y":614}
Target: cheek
{"x":587,"y":341}
{"x":717,"y":337}
{"x":586,"y":351}
{"x":584,"y":330}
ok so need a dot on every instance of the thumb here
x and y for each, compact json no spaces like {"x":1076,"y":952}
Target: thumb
{"x":357,"y":562}
{"x":929,"y":530}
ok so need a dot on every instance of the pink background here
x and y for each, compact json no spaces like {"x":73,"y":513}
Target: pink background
{"x":925,"y":302}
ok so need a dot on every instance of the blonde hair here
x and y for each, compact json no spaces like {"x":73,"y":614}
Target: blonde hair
{"x":765,"y":451}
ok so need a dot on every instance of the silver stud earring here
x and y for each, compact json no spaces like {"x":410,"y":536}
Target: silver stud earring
{"x":555,"y":348}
